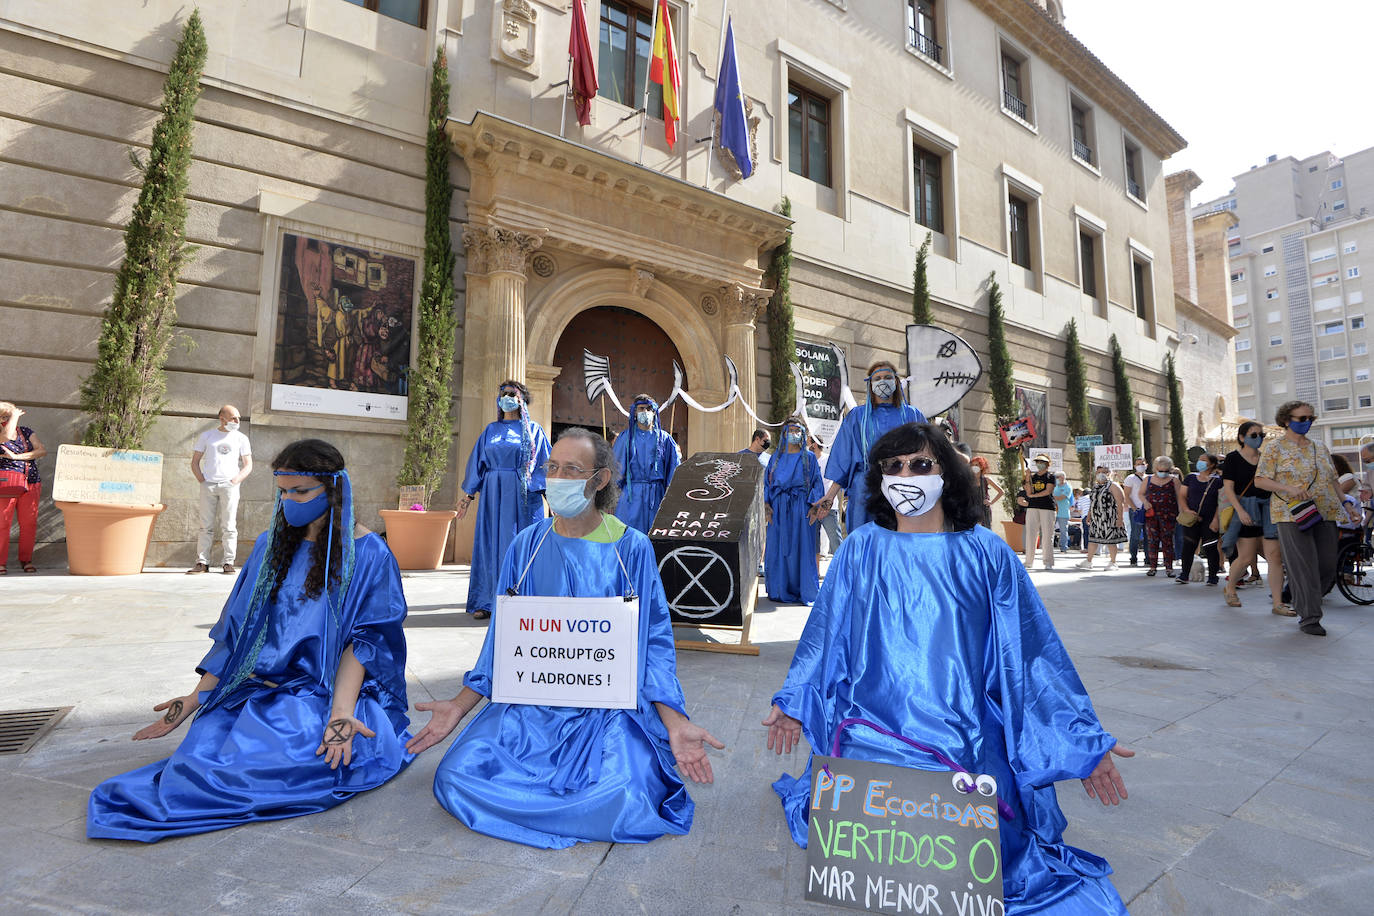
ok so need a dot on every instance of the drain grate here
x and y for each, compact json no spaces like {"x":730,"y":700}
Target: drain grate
{"x":20,"y":729}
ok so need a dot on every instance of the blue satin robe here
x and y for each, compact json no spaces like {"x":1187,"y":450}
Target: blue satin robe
{"x":862,"y":426}
{"x":494,"y":470}
{"x":252,"y":758}
{"x":943,"y":639}
{"x":644,"y":475}
{"x":791,"y":484}
{"x":553,"y":776}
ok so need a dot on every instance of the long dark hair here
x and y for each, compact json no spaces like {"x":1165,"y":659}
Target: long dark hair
{"x":961,"y":500}
{"x":310,"y":457}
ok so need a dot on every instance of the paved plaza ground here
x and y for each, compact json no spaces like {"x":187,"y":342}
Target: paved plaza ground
{"x":1250,"y":792}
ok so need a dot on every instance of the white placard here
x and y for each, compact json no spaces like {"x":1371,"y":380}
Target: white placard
{"x":557,"y":651}
{"x":124,"y":477}
{"x":340,"y":403}
{"x":1114,"y":457}
{"x":1056,"y":458}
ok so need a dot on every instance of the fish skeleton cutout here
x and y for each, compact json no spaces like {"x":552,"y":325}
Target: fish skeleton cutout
{"x":943,"y":368}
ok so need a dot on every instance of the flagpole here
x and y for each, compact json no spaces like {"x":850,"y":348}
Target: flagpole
{"x":720,"y":51}
{"x":644,"y":109}
{"x":567,"y":89}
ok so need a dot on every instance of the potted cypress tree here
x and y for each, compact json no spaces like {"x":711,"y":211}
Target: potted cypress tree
{"x":126,"y":391}
{"x":417,"y":535}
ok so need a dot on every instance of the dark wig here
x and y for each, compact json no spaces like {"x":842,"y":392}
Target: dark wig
{"x":310,"y":457}
{"x":961,"y":498}
{"x":518,"y":386}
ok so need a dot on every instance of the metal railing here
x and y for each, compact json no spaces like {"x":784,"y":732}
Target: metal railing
{"x":924,"y":45}
{"x":1133,"y":187}
{"x":1013,"y":104}
{"x":1083,"y":151}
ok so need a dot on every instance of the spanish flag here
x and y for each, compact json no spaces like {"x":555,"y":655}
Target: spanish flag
{"x":663,"y":70}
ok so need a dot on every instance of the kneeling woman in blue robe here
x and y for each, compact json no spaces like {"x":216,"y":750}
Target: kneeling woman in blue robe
{"x":647,"y":456}
{"x":792,"y":483}
{"x":928,"y":626}
{"x":302,"y":700}
{"x":553,"y":776}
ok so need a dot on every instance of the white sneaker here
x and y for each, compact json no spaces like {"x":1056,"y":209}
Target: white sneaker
{"x":1111,"y":566}
{"x":1087,"y":564}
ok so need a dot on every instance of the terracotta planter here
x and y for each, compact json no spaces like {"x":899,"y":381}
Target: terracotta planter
{"x":107,"y":540}
{"x":417,"y":539}
{"x":1015,"y":535}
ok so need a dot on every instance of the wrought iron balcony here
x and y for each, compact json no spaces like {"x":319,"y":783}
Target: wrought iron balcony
{"x":924,"y":45}
{"x":1083,"y":151}
{"x":1013,"y":104}
{"x":1133,"y":187}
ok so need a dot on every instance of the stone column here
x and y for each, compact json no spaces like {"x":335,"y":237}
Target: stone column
{"x":741,"y":306}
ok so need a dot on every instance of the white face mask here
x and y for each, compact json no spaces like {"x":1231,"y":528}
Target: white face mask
{"x":913,"y":496}
{"x":231,"y":425}
{"x":1141,"y":469}
{"x":883,"y":387}
{"x":1101,"y":478}
{"x":645,"y":418}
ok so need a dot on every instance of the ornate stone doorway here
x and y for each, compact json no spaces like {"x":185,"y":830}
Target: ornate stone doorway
{"x":641,"y":355}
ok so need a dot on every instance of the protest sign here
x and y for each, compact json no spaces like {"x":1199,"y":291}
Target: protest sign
{"x":820,"y":369}
{"x":106,"y":475}
{"x":560,"y":651}
{"x":1114,"y":457}
{"x":1056,"y":458}
{"x":891,"y":839}
{"x":1086,"y":443}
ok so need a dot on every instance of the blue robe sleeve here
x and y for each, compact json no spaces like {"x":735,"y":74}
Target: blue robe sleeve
{"x":231,"y":617}
{"x":820,"y":666}
{"x":672,"y":457}
{"x":845,"y":450}
{"x":1052,"y":732}
{"x":378,"y":616}
{"x":658,"y":681}
{"x":477,"y":465}
{"x":916,"y":415}
{"x":541,"y":456}
{"x":621,"y":447}
{"x":517,"y":555}
{"x":813,"y":472}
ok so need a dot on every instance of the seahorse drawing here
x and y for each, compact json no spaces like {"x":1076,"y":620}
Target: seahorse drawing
{"x":718,"y":480}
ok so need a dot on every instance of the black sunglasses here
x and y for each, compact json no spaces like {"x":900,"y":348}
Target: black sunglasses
{"x":893,"y":466}
{"x":1297,"y":419}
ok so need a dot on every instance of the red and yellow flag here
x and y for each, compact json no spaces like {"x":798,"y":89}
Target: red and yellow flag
{"x":663,"y":70}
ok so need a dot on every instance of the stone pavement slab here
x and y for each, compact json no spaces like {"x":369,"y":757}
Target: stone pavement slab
{"x":1250,"y":790}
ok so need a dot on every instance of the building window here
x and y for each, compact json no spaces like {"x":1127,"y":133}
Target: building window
{"x":808,"y":124}
{"x":1242,"y":321}
{"x":1274,"y":316}
{"x":1359,"y":349}
{"x":1279,"y":387}
{"x":1336,"y":184}
{"x":1135,"y":174}
{"x":1332,"y":327}
{"x":408,"y":11}
{"x":621,"y":74}
{"x":1243,"y":368}
{"x":1240,"y":298}
{"x":1142,"y":284}
{"x":1271,"y":294}
{"x":1355,"y":298}
{"x":1018,"y":224}
{"x":930,"y":203}
{"x":1081,"y":117}
{"x":1276,"y":341}
{"x":1242,"y":343}
{"x":1087,"y":264}
{"x":1351,"y":247}
{"x":1237,"y":276}
{"x":1356,"y":322}
{"x":1326,"y":353}
{"x":921,"y":31}
{"x":1336,"y":403}
{"x":1365,"y":400}
{"x":1352,"y":272}
{"x":1361,"y":375}
{"x":1270,"y":270}
{"x":1277,"y":365}
{"x":1016,"y":84}
{"x":1329,"y":382}
{"x":1266,"y":249}
{"x":1338,"y":205}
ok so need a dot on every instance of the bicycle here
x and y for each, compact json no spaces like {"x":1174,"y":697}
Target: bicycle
{"x":1355,"y":564}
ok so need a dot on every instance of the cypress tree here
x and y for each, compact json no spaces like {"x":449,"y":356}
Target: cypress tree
{"x":1178,"y":437}
{"x":781,"y":343}
{"x":429,"y":423}
{"x":920,"y":287}
{"x":1125,"y":401}
{"x":127,"y":389}
{"x":1002,"y":383}
{"x":1076,"y":381}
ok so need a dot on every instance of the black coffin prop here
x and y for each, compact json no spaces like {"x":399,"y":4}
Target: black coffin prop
{"x":708,"y":537}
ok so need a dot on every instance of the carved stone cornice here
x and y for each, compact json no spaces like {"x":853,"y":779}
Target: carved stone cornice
{"x":639,"y":281}
{"x":743,"y":304}
{"x":493,"y":249}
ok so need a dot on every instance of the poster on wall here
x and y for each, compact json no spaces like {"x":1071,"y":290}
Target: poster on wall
{"x":1101,"y":416}
{"x":822,"y":384}
{"x":1033,"y":403}
{"x":344,"y":315}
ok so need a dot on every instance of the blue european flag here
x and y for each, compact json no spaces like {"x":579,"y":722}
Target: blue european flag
{"x":734,"y":130}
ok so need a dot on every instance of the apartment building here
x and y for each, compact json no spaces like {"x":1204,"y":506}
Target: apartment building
{"x":1300,"y":251}
{"x":983,"y":123}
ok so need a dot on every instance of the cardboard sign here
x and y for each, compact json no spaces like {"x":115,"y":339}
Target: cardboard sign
{"x":411,"y":494}
{"x":890,"y":839}
{"x":1056,"y":459}
{"x":1114,"y":457}
{"x":1017,"y":432}
{"x":559,"y":651}
{"x":107,"y":475}
{"x":1086,"y":443}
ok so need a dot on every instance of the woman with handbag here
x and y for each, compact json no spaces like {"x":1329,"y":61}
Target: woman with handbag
{"x":1250,"y":527}
{"x":1198,"y":520}
{"x":1306,"y":506}
{"x":20,"y":485}
{"x":1161,"y":496}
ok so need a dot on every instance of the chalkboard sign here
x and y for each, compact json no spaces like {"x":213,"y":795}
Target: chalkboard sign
{"x":106,"y":475}
{"x":890,"y":839}
{"x":708,"y":537}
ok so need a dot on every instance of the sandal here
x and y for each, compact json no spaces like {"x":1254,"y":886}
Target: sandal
{"x":481,"y":615}
{"x":29,"y":567}
{"x":4,"y":571}
{"x":1150,"y":572}
{"x":1283,"y":610}
{"x":1232,"y":599}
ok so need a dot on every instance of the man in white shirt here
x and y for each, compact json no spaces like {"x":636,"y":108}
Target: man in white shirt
{"x":1135,"y":493}
{"x":220,"y":461}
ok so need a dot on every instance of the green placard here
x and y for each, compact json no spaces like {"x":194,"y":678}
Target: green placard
{"x":1086,"y":443}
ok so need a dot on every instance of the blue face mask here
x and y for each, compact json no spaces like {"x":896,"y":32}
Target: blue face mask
{"x":1201,"y":465}
{"x":508,"y":402}
{"x":298,"y":515}
{"x":567,"y":498}
{"x":1254,"y":440}
{"x":1300,"y":426}
{"x":794,"y":438}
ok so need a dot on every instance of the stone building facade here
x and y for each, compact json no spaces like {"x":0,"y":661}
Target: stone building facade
{"x":983,"y":122}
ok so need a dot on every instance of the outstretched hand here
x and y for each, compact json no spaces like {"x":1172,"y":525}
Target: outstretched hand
{"x":784,"y":732}
{"x":336,"y":744}
{"x":1104,"y":783}
{"x":688,"y":742}
{"x":175,"y":711}
{"x":444,"y":718}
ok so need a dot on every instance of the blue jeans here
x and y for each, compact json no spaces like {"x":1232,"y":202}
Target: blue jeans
{"x":831,"y":526}
{"x":1137,"y":535}
{"x":1061,"y":525}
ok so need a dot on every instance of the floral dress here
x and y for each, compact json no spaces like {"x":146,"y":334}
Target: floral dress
{"x":1159,"y":525}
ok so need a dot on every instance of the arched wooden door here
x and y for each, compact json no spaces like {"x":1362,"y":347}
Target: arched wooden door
{"x":641,"y":357}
